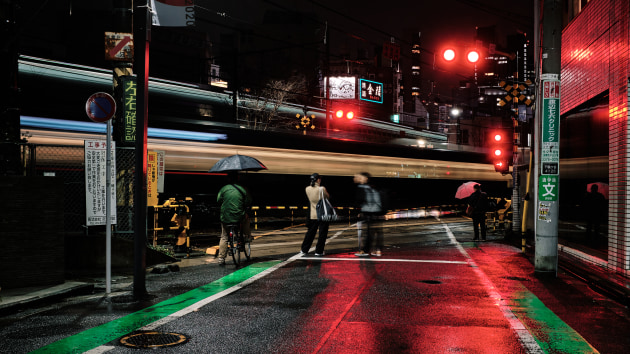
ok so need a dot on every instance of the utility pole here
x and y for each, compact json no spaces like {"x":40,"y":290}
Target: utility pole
{"x":9,"y":106}
{"x":122,"y":22}
{"x":548,"y":141}
{"x":142,"y":38}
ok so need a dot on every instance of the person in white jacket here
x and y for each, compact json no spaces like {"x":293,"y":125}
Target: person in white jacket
{"x":313,"y":193}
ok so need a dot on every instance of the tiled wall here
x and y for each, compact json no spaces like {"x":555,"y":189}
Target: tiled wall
{"x":596,"y":58}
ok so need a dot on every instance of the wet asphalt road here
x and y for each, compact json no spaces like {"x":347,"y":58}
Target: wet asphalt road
{"x":432,"y":291}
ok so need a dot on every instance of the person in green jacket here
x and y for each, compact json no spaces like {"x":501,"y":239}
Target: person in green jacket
{"x":235,"y":201}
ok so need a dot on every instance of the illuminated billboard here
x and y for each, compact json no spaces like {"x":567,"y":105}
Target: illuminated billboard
{"x":371,"y":91}
{"x":342,"y":87}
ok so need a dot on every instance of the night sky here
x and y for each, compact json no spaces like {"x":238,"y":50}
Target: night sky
{"x":376,"y":21}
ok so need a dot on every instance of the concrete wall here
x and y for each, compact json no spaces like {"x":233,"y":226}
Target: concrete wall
{"x":31,"y":231}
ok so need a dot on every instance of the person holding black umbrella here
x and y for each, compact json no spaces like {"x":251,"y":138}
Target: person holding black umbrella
{"x":235,"y":201}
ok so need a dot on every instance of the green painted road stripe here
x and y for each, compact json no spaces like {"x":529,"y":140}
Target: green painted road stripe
{"x":551,"y":333}
{"x":107,"y":332}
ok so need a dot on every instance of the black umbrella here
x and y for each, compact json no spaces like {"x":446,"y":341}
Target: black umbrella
{"x":238,"y":163}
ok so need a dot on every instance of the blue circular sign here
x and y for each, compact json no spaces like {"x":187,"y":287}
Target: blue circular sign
{"x":100,"y":107}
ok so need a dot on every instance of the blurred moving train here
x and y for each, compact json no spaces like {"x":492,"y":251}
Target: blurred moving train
{"x":195,"y":128}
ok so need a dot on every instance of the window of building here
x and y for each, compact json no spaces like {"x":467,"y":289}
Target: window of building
{"x":573,"y":8}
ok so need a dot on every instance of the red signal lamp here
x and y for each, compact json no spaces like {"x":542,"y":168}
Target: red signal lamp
{"x":449,"y":54}
{"x":341,"y":114}
{"x":502,"y":166}
{"x":472,"y":56}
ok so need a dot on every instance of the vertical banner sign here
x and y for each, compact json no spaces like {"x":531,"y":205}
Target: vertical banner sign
{"x":160,"y":171}
{"x":129,"y":109}
{"x":95,"y":182}
{"x":152,"y":178}
{"x":550,"y":145}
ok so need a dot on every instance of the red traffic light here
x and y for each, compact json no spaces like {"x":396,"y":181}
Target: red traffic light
{"x":502,"y":166}
{"x":340,"y":113}
{"x":500,"y":149}
{"x":449,"y":54}
{"x":472,"y":56}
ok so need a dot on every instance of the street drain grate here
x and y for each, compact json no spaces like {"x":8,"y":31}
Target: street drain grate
{"x":152,"y":339}
{"x":431,"y":281}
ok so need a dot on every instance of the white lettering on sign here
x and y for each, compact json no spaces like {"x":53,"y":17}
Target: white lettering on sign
{"x":551,"y":121}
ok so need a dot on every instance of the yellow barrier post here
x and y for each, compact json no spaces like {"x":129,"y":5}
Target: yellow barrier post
{"x":255,"y":209}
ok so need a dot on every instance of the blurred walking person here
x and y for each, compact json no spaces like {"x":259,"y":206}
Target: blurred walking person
{"x":313,"y":192}
{"x":368,"y":200}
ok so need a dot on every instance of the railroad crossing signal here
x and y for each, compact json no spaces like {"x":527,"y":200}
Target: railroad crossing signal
{"x":305,"y":122}
{"x":515,"y":93}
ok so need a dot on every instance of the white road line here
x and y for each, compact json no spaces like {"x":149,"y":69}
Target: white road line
{"x":223,"y":293}
{"x":100,"y":350}
{"x":525,"y":337}
{"x":368,"y":259}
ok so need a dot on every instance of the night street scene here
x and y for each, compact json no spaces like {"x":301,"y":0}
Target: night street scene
{"x":315,"y":176}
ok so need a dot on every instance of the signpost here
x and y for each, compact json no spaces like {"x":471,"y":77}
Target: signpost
{"x":118,"y":46}
{"x":548,"y":141}
{"x":101,"y":107}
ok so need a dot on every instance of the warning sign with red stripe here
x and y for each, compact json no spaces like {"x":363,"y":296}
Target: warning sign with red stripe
{"x":118,"y":46}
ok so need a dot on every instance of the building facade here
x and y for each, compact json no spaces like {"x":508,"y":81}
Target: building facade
{"x":595,"y":64}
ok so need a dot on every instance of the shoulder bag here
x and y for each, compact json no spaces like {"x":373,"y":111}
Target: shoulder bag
{"x":325,"y":211}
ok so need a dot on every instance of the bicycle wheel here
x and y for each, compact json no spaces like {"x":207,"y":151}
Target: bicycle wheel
{"x":233,"y":246}
{"x":247,"y":248}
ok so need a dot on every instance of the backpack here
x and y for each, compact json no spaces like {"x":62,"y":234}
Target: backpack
{"x":372,"y":203}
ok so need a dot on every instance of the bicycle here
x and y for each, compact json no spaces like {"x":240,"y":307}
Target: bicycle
{"x":237,"y":243}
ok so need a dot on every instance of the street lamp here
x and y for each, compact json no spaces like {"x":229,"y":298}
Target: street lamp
{"x":455,"y":112}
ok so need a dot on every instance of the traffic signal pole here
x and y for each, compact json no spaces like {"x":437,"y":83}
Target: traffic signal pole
{"x":548,"y":141}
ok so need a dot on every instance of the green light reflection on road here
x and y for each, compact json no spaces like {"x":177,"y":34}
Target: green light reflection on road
{"x":105,"y":333}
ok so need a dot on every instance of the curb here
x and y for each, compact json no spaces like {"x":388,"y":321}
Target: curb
{"x":13,"y":300}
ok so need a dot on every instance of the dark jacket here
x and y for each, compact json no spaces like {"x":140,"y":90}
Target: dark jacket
{"x":368,"y":199}
{"x":479,"y":201}
{"x":234,"y":201}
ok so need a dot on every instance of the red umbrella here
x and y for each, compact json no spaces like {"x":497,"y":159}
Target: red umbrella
{"x":601,"y":187}
{"x":465,"y":190}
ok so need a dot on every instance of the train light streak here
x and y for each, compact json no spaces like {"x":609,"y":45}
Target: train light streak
{"x":89,"y":127}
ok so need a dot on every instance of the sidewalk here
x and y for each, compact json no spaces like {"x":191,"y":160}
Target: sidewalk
{"x":13,"y":300}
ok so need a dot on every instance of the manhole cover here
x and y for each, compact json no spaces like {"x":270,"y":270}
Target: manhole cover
{"x":152,"y":339}
{"x":431,"y":281}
